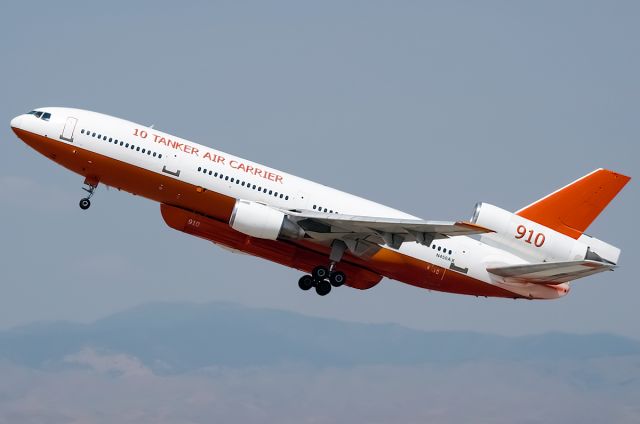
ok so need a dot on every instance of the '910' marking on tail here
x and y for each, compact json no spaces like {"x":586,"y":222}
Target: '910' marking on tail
{"x":537,"y":241}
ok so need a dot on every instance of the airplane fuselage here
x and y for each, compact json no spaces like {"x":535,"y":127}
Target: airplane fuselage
{"x":198,"y":187}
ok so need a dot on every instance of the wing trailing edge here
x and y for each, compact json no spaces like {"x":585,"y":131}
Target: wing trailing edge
{"x":550,"y":272}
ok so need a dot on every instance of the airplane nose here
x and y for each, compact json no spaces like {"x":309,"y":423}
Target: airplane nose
{"x":15,"y":122}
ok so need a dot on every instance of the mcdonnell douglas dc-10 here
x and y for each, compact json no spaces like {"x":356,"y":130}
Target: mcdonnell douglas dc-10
{"x":333,"y":237}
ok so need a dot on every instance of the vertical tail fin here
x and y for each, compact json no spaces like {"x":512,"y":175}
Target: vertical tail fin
{"x":571,"y":209}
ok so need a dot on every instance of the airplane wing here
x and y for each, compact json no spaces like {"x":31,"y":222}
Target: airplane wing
{"x":390,"y":231}
{"x":550,"y":272}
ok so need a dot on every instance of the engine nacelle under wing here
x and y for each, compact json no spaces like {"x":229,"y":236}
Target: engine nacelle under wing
{"x":261,"y":221}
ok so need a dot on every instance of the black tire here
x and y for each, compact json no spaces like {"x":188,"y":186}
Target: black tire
{"x":319,"y":273}
{"x":323,"y":288}
{"x":337,"y":278}
{"x":85,"y":204}
{"x":306,"y":282}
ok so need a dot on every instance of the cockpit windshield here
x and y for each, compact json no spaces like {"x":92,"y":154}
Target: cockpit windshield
{"x":39,"y":114}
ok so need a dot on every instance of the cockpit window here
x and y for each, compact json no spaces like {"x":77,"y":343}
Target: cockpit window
{"x":39,"y":114}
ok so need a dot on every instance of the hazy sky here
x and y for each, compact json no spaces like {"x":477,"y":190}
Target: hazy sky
{"x":425,"y":106}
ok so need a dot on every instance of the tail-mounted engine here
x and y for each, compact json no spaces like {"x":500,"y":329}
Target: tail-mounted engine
{"x":526,"y":238}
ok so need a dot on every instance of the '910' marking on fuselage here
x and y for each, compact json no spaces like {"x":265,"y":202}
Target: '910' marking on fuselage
{"x":537,"y":241}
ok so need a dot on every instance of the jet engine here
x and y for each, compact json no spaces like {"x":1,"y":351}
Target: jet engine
{"x":261,"y":221}
{"x":526,"y":238}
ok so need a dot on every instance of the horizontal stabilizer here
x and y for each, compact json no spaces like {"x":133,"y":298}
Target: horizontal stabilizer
{"x":550,"y":272}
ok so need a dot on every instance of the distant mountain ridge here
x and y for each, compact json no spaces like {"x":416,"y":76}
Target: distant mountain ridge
{"x":187,"y":336}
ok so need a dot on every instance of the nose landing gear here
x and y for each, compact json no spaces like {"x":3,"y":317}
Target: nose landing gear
{"x":90,"y":188}
{"x":323,"y":278}
{"x":85,"y":203}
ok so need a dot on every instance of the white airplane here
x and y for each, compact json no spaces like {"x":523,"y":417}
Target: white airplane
{"x":334,"y":237}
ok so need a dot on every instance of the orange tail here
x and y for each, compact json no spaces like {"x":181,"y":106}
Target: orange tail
{"x":573,"y":208}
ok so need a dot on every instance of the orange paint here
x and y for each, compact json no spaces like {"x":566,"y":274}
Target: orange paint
{"x":573,"y":208}
{"x":286,"y":253}
{"x":131,"y":178}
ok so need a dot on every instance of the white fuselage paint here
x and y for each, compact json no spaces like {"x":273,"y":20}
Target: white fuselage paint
{"x":467,"y":252}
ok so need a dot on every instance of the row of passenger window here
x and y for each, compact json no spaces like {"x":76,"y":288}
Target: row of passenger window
{"x":321,"y":209}
{"x":243,"y":183}
{"x":440,"y":248}
{"x":121,"y":143}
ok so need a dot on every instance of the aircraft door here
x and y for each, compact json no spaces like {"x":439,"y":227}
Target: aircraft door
{"x":69,"y":128}
{"x":461,"y":260}
{"x":171,"y":165}
{"x":301,"y":200}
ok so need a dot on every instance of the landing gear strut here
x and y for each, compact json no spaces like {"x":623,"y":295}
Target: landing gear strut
{"x":90,"y":188}
{"x":323,"y":278}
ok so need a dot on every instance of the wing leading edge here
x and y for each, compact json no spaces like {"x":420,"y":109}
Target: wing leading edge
{"x":390,"y":231}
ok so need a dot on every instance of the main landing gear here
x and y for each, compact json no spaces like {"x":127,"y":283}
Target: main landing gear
{"x":85,"y":203}
{"x":323,"y":278}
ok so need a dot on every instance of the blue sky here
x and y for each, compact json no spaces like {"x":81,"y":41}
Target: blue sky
{"x":425,"y":106}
